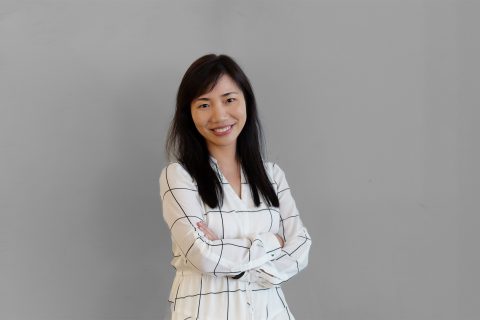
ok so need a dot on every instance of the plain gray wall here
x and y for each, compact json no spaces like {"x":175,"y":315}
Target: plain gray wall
{"x":371,"y":108}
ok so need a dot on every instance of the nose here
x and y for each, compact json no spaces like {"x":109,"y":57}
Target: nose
{"x":219,"y":113}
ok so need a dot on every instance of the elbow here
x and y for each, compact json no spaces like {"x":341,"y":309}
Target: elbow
{"x":302,"y":262}
{"x":204,"y":258}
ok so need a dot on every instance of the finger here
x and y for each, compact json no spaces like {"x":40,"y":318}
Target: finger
{"x":280,"y":240}
{"x":211,"y":234}
{"x":208,"y":233}
{"x":202,"y":226}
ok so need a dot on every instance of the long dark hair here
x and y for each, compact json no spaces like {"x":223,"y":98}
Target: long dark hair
{"x":186,"y":144}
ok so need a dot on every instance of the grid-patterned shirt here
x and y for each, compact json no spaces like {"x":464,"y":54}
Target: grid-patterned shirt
{"x":207,"y":284}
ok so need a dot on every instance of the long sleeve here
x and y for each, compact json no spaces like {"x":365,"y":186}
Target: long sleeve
{"x":294,"y":257}
{"x":183,"y":208}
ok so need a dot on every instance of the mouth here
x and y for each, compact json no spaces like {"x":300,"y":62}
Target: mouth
{"x":223,"y":130}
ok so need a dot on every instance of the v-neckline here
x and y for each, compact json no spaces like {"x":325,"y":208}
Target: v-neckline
{"x":224,"y":180}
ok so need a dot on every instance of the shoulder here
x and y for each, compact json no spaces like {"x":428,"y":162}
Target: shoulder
{"x":175,"y":175}
{"x":274,"y":171}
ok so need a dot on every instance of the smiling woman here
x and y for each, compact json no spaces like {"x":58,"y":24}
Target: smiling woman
{"x":220,"y":115}
{"x":236,"y":231}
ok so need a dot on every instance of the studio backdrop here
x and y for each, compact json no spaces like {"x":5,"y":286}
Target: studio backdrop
{"x":370,"y":107}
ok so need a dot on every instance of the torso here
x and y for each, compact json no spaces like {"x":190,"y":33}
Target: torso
{"x":224,"y":297}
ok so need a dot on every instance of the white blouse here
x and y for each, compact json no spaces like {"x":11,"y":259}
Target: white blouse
{"x":204,"y":287}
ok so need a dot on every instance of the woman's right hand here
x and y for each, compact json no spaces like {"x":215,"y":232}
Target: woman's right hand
{"x":207,"y":231}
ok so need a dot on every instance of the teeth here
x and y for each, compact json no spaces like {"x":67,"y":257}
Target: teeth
{"x":222,"y":129}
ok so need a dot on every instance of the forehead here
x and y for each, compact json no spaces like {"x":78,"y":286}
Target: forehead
{"x":224,"y":84}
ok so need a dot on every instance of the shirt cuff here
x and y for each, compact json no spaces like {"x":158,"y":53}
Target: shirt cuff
{"x":266,"y":247}
{"x":257,"y":276}
{"x":270,"y":244}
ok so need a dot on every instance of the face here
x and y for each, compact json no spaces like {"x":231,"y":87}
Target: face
{"x":220,"y":115}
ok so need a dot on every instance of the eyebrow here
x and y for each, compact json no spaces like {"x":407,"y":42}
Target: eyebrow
{"x":223,"y":95}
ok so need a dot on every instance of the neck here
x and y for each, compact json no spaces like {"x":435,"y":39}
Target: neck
{"x":224,"y":155}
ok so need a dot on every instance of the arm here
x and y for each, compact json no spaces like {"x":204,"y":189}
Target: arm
{"x":183,"y":209}
{"x":294,"y":257}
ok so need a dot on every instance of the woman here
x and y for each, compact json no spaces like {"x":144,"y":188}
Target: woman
{"x":236,"y":232}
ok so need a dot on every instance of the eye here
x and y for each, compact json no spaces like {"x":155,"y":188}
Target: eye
{"x":202,"y":106}
{"x":230,"y":100}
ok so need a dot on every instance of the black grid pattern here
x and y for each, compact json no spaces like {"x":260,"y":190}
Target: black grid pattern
{"x":204,"y":287}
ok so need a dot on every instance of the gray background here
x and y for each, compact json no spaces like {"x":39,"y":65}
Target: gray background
{"x":371,"y":108}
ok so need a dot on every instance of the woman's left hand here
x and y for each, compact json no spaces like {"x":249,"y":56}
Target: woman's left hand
{"x":207,"y":231}
{"x":280,"y":239}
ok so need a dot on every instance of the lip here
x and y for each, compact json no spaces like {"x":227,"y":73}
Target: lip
{"x":224,"y":133}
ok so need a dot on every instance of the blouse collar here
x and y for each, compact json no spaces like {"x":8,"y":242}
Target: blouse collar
{"x":214,"y":163}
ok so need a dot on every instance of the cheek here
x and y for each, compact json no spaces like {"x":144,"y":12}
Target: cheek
{"x":241,"y":117}
{"x":197,"y":119}
{"x":243,"y":114}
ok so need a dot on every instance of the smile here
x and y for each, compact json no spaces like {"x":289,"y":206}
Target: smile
{"x":222,"y":130}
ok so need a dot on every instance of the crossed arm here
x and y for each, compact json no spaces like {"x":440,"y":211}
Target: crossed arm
{"x":268,"y":259}
{"x":212,"y":236}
